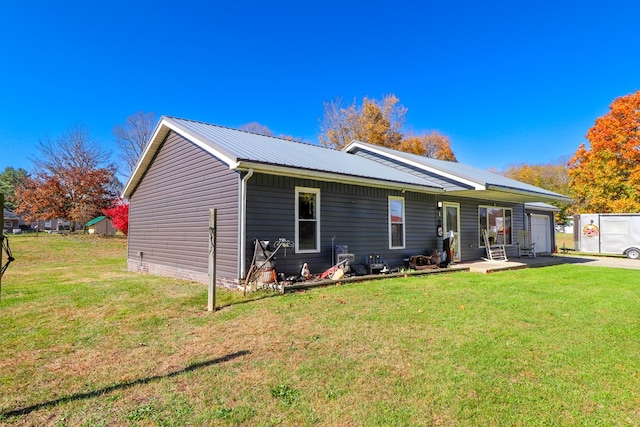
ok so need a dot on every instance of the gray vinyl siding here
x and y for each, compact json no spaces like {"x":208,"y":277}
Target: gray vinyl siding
{"x":470,"y":245}
{"x":169,"y":213}
{"x":356,"y":216}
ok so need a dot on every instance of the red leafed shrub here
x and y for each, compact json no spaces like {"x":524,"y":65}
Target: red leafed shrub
{"x":119,"y":214}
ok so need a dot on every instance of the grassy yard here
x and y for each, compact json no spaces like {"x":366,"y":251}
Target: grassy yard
{"x":564,"y":239}
{"x":85,"y":343}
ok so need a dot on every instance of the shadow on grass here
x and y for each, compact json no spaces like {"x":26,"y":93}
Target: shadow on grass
{"x":122,"y":386}
{"x":250,"y":299}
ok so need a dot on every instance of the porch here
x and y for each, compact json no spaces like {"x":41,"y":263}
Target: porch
{"x":481,"y":266}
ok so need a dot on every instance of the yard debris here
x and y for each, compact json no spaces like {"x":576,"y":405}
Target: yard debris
{"x":305,"y":272}
{"x":331,"y":271}
{"x":423,"y":262}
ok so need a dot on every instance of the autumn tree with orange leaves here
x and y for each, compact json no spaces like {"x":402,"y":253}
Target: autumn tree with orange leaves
{"x":605,"y":177}
{"x":378,"y":122}
{"x":73,"y":180}
{"x":553,"y":176}
{"x":432,"y":144}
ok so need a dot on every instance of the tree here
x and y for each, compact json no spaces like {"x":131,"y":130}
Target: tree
{"x":34,"y":201}
{"x":605,"y":177}
{"x":553,"y":176}
{"x":379,"y":123}
{"x":434,"y":145}
{"x":132,"y":137}
{"x":375,"y":122}
{"x":73,"y":180}
{"x":10,"y":179}
{"x":255,"y":127}
{"x":119,"y":214}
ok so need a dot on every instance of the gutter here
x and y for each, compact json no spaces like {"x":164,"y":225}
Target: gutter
{"x":243,"y":220}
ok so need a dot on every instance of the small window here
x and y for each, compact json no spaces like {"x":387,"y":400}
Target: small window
{"x":307,"y":220}
{"x":498,"y":223}
{"x":8,"y":224}
{"x":396,"y":222}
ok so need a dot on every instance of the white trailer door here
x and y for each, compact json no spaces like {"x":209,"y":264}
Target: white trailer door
{"x":540,"y":229}
{"x":615,"y":233}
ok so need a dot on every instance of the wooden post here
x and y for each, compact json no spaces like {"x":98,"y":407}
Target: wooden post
{"x":213,"y":219}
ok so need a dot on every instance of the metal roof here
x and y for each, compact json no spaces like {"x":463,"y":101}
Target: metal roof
{"x":500,"y":186}
{"x":541,"y":206}
{"x":8,"y":215}
{"x":95,"y":220}
{"x":244,"y":150}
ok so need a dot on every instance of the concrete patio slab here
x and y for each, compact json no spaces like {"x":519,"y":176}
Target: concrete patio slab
{"x":481,"y":266}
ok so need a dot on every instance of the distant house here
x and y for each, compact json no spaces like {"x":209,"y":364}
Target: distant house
{"x":372,"y":199}
{"x":53,"y":225}
{"x":11,"y":221}
{"x":102,"y":226}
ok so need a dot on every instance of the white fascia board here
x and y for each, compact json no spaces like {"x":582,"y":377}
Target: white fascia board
{"x":334,"y":177}
{"x":474,"y":184}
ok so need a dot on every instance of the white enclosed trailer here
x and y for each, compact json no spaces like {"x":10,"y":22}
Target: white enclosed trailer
{"x":607,"y":234}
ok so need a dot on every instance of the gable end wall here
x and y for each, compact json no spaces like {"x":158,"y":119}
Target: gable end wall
{"x":169,"y":215}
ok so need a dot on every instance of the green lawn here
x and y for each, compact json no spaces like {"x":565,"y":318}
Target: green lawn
{"x":85,"y":342}
{"x":564,"y":239}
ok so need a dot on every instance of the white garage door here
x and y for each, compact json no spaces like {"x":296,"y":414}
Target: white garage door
{"x":540,"y":229}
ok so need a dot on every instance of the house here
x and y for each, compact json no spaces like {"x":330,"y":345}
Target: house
{"x":370,"y":199}
{"x":11,"y":221}
{"x":53,"y":225}
{"x":101,"y":226}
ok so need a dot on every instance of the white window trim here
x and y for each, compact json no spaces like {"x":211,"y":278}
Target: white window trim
{"x":480,"y":225}
{"x":404,"y":223}
{"x":315,"y":191}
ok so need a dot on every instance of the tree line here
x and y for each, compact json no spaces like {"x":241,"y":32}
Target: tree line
{"x":73,"y":178}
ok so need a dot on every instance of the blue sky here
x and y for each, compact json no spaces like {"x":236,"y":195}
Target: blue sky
{"x":508,"y":82}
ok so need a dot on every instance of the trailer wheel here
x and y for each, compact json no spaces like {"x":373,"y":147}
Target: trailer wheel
{"x":633,"y":253}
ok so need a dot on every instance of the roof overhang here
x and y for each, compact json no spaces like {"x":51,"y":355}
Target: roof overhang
{"x":509,"y":195}
{"x":479,"y":190}
{"x":271,"y":169}
{"x":541,"y":207}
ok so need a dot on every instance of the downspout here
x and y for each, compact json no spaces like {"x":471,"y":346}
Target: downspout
{"x":243,"y":220}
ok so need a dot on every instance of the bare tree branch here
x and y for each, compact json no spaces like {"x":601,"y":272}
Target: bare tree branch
{"x":132,"y":137}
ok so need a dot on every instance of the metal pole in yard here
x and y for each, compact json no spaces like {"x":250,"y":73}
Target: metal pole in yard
{"x":213,"y":219}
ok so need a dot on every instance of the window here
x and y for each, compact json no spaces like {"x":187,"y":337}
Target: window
{"x":307,"y":219}
{"x":497,"y":222}
{"x":8,"y":223}
{"x":396,"y":222}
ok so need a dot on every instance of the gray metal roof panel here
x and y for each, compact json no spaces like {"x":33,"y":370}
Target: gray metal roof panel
{"x":464,"y":172}
{"x":245,"y":146}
